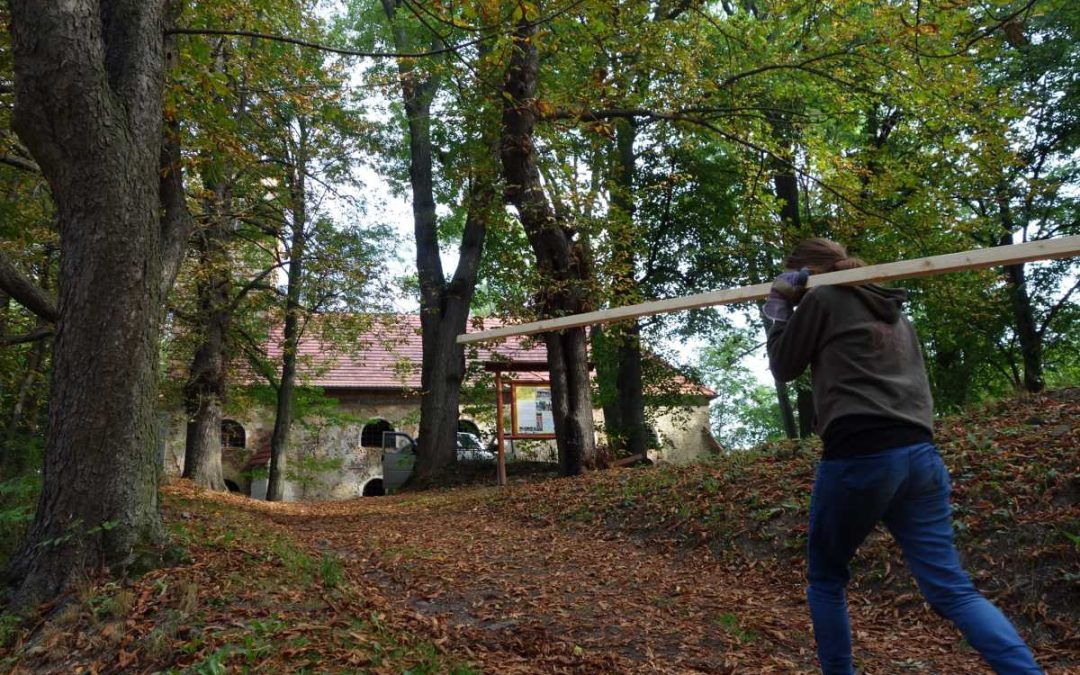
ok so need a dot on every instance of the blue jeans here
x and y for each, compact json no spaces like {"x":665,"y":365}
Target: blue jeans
{"x":908,"y":489}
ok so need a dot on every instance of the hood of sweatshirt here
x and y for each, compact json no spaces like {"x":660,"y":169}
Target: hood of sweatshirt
{"x":883,"y":303}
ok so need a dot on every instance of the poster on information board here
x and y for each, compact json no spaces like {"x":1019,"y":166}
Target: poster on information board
{"x":532,"y":410}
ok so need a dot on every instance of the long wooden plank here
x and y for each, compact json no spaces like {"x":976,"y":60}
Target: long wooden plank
{"x":1062,"y":247}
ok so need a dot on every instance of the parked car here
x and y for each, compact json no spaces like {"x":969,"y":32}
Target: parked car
{"x":471,"y":449}
{"x":399,"y":457}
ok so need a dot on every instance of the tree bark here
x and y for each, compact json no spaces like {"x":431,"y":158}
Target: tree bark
{"x":444,"y":307}
{"x":626,"y":427}
{"x":279,"y":439}
{"x":786,"y":186}
{"x":606,"y":359}
{"x":562,"y":261}
{"x":88,"y":80}
{"x":204,"y":392}
{"x":1027,"y":333}
{"x":787,"y":413}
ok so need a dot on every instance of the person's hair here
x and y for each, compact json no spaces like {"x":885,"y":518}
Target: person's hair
{"x":820,"y":256}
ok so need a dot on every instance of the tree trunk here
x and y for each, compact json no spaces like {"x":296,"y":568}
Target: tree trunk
{"x":444,"y":307}
{"x":1020,"y":301}
{"x":279,"y":439}
{"x":561,"y":259}
{"x":88,"y":80}
{"x":787,"y":413}
{"x":804,"y":401}
{"x":444,"y":359}
{"x":606,"y":359}
{"x":630,"y":429}
{"x":631,"y":391}
{"x":204,"y":392}
{"x":786,"y":187}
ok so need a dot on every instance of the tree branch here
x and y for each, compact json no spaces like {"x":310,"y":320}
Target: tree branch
{"x":28,"y":165}
{"x":1056,"y":308}
{"x":326,"y":48}
{"x":39,"y":333}
{"x":26,"y":292}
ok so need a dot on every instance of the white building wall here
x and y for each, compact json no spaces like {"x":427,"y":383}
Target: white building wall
{"x":682,"y":431}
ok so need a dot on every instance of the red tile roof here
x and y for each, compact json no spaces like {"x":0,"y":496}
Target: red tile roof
{"x":389,"y":354}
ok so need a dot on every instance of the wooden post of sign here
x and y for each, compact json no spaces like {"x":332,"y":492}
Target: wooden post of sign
{"x":500,"y":433}
{"x":1060,"y":247}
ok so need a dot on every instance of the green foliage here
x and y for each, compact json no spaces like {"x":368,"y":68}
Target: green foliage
{"x":744,"y":412}
{"x":331,"y":570}
{"x":18,"y":501}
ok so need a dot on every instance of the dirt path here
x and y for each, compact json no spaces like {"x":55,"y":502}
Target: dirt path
{"x":537,"y":598}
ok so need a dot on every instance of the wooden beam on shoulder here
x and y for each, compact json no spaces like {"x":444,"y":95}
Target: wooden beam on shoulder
{"x":1047,"y":249}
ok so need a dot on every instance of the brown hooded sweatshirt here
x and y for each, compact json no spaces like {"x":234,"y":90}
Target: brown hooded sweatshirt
{"x":870,"y":387}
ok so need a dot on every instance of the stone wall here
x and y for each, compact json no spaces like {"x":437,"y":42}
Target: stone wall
{"x":326,"y":460}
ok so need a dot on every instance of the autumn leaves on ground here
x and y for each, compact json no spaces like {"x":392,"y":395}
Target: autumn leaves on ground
{"x":654,"y":570}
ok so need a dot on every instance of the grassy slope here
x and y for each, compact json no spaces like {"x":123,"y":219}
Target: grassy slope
{"x":251,"y":599}
{"x":248,"y":599}
{"x":1016,"y":492}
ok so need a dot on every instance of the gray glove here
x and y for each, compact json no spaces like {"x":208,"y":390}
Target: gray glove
{"x":787,"y":289}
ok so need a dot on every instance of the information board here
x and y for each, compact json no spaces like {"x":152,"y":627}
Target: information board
{"x":532,"y":410}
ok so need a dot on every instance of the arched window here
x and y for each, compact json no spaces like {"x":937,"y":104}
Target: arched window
{"x":371,"y":435}
{"x":468,"y":427}
{"x":232,"y":434}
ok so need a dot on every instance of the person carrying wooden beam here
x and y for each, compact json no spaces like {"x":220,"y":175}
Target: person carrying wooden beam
{"x":879,"y":464}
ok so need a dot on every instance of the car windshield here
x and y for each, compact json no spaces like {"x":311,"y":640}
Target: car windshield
{"x":467,"y":441}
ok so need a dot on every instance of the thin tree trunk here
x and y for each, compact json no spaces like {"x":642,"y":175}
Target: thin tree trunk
{"x":279,"y":439}
{"x":631,"y":391}
{"x":561,"y":259}
{"x":787,"y":413}
{"x":786,"y":186}
{"x":1020,"y":302}
{"x":88,"y":107}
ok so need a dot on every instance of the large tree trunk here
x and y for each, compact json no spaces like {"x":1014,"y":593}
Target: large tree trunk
{"x":444,"y":359}
{"x":631,"y":391}
{"x":444,"y":307}
{"x":88,"y":79}
{"x":279,"y":439}
{"x":624,"y":416}
{"x":204,"y":392}
{"x":562,"y":261}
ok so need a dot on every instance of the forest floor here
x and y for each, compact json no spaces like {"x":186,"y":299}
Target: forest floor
{"x":693,"y":569}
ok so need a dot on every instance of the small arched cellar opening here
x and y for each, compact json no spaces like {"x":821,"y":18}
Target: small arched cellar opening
{"x":233,"y":434}
{"x":374,"y":488}
{"x":372,"y":433}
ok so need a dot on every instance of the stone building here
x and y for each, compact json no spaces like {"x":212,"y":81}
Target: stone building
{"x":377,"y":389}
